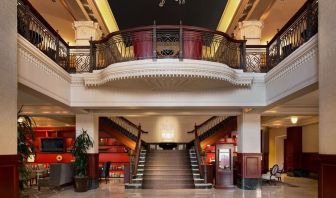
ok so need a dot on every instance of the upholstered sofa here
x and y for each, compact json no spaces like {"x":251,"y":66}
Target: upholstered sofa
{"x":60,"y":174}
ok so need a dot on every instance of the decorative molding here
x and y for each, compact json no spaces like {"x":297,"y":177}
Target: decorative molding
{"x":168,"y":68}
{"x":30,"y":53}
{"x":297,"y":59}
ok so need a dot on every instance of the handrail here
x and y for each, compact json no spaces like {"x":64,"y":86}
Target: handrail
{"x":198,"y":151}
{"x":137,"y":151}
{"x":150,"y":27}
{"x":168,"y":41}
{"x":131,"y":123}
{"x":298,"y":30}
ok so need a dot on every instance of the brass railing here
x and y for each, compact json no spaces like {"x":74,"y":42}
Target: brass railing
{"x":167,"y":41}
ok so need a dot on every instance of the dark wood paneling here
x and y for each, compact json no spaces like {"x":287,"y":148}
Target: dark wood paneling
{"x":210,"y":168}
{"x":230,"y":126}
{"x":327,"y":175}
{"x":310,"y":162}
{"x":264,"y":150}
{"x":293,"y":148}
{"x":9,"y":178}
{"x":93,"y":165}
{"x":224,"y":177}
{"x":105,"y":128}
{"x":249,"y":165}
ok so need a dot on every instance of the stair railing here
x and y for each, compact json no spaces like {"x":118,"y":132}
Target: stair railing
{"x":198,"y":151}
{"x":137,"y":151}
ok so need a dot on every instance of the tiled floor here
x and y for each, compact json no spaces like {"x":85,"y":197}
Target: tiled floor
{"x":305,"y":188}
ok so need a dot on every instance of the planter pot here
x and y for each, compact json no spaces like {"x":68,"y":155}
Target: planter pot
{"x":81,"y":184}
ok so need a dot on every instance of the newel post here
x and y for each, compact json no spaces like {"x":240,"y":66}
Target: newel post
{"x":154,"y":42}
{"x":92,"y":55}
{"x":181,"y":42}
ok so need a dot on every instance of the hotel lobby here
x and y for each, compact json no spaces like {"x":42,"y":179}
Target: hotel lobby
{"x":168,"y":98}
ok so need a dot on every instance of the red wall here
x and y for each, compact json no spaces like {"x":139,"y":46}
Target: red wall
{"x":113,"y":157}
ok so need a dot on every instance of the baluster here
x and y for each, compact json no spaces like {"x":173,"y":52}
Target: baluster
{"x":92,"y":55}
{"x":67,"y":64}
{"x":154,"y":42}
{"x":310,"y":19}
{"x":181,"y":42}
{"x":57,"y":40}
{"x":243,"y":55}
{"x":278,"y":43}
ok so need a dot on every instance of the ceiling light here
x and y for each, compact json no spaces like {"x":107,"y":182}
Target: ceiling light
{"x":162,"y":2}
{"x":294,"y":119}
{"x":21,"y":119}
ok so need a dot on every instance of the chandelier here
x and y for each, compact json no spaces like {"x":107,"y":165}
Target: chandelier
{"x":162,"y":2}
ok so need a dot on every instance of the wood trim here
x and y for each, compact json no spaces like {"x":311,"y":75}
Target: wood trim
{"x":93,"y":165}
{"x":104,"y":127}
{"x":249,"y":165}
{"x":9,"y":176}
{"x":327,"y":175}
{"x":230,"y":125}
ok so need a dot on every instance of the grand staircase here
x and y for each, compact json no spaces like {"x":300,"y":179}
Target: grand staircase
{"x":168,"y":169}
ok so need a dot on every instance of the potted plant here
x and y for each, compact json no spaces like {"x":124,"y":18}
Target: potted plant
{"x":82,"y":143}
{"x":25,"y":147}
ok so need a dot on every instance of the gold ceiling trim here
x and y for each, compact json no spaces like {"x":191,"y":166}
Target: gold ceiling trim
{"x":228,"y":14}
{"x":106,"y":14}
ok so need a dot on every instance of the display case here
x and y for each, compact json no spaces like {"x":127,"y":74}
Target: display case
{"x":224,"y":165}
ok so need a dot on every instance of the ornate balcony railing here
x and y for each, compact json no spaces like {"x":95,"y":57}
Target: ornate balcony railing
{"x":298,"y":30}
{"x":168,"y":41}
{"x":32,"y":26}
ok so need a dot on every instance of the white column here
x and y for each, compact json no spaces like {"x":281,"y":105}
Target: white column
{"x":251,"y":31}
{"x":90,"y":123}
{"x":327,"y":80}
{"x":8,"y":78}
{"x":248,"y":127}
{"x":84,"y":31}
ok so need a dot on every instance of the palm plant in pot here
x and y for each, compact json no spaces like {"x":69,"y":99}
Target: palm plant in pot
{"x":82,"y":143}
{"x":25,"y":147}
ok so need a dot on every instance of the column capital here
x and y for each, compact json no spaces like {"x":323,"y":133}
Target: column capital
{"x":251,"y":31}
{"x":85,"y":30}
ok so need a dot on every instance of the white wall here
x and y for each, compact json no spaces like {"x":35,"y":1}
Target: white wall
{"x":275,"y":147}
{"x":310,"y":138}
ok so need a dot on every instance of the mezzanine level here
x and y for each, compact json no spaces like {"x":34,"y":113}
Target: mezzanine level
{"x":168,"y":42}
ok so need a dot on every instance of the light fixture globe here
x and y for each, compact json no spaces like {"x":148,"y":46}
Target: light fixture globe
{"x":294,"y":119}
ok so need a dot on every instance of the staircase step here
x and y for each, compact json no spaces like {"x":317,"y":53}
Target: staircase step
{"x":202,"y":186}
{"x":132,"y":186}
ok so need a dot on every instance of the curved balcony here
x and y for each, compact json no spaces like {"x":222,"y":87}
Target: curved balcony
{"x":167,"y":41}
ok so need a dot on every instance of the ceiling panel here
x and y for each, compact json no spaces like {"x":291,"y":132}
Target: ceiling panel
{"x":135,"y":13}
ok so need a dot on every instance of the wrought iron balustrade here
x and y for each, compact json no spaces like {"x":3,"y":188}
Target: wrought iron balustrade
{"x":32,"y":26}
{"x":168,"y":41}
{"x":298,"y":30}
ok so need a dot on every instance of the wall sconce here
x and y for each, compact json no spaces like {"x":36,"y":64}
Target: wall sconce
{"x":294,"y":119}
